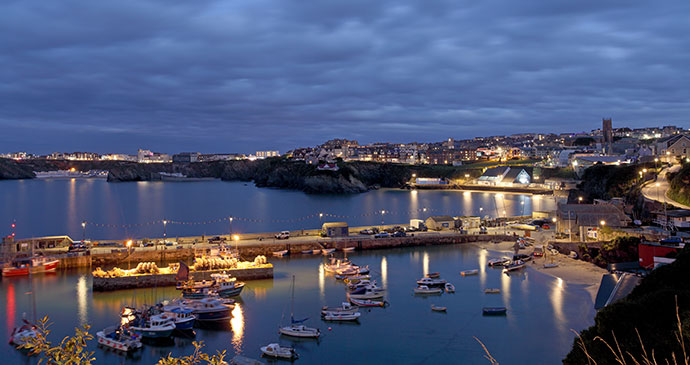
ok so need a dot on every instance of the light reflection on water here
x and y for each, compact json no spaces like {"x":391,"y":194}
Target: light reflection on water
{"x":482,"y":267}
{"x":384,"y":272}
{"x":425,"y":263}
{"x":237,"y":324}
{"x":82,"y":299}
{"x":557,"y":300}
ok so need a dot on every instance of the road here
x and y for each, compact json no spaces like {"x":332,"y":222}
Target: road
{"x":658,"y":191}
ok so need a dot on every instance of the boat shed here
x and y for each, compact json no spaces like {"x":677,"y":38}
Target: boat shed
{"x":335,"y":229}
{"x":440,"y":222}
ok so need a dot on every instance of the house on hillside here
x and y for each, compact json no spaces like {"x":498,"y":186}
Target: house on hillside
{"x":583,"y":219}
{"x":673,"y":147}
{"x":335,"y":229}
{"x":494,"y":175}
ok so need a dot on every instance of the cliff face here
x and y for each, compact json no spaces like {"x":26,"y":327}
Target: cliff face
{"x":680,"y":185}
{"x":10,"y":169}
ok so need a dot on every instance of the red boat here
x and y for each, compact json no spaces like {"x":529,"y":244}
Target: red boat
{"x":33,"y":265}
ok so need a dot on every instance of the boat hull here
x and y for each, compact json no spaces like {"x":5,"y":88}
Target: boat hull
{"x":233,"y":292}
{"x":184,"y":325}
{"x":213,"y":316}
{"x":47,"y":267}
{"x":153,"y":334}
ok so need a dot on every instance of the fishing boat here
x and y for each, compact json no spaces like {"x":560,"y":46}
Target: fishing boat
{"x":438,"y":309}
{"x":183,"y":317}
{"x":494,"y":311}
{"x":275,"y":350}
{"x":469,"y":272}
{"x":450,"y":288}
{"x":30,"y":265}
{"x":368,"y":302}
{"x":431,"y":282}
{"x":23,"y":334}
{"x":492,"y":291}
{"x":154,"y":327}
{"x":295,"y":328}
{"x":209,"y":309}
{"x":345,"y":307}
{"x":433,"y":275}
{"x":348,"y":249}
{"x":280,"y":253}
{"x":119,"y":338}
{"x":340,"y":316}
{"x":516,"y":265}
{"x":327,"y":251}
{"x":353,"y":270}
{"x":366,"y":293}
{"x":226,"y":286}
{"x":423,"y":289}
{"x":499,"y":262}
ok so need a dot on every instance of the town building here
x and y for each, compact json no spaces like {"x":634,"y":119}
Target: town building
{"x":585,"y":219}
{"x":335,"y":229}
{"x":678,"y":219}
{"x":469,"y":222}
{"x":267,"y":154}
{"x":186,"y":157}
{"x":440,"y":222}
{"x":653,"y":254}
{"x":673,"y":148}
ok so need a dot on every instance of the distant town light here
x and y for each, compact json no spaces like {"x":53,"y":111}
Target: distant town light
{"x":603,"y":223}
{"x":554,"y":219}
{"x":129,"y":243}
{"x":235,"y":237}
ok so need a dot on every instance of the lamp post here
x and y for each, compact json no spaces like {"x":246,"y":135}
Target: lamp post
{"x":236,"y":238}
{"x":165,"y":231}
{"x":579,"y":200}
{"x":83,"y":228}
{"x":129,"y":254}
{"x":320,"y":220}
{"x":382,"y":213}
{"x":230,"y":219}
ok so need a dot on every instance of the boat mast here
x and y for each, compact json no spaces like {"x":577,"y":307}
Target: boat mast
{"x":31,"y":282}
{"x":292,"y":300}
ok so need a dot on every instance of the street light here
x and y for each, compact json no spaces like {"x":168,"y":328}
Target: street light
{"x":236,"y":238}
{"x":603,"y":222}
{"x":382,"y":213}
{"x":129,"y":246}
{"x":230,"y":219}
{"x":165,"y":232}
{"x":579,"y":199}
{"x":320,"y":219}
{"x":83,"y":227}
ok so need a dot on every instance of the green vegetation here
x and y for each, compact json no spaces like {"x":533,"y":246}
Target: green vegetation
{"x":680,"y":185}
{"x":620,"y":249}
{"x":649,"y":326}
{"x":610,"y":181}
{"x":72,"y":350}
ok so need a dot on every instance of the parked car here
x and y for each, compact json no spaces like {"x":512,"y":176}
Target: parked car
{"x":545,"y":226}
{"x":216,"y":239}
{"x":77,"y":247}
{"x":149,"y":244}
{"x":411,"y":229}
{"x":367,"y":231}
{"x":382,"y":235}
{"x":169,"y":243}
{"x":398,"y":234}
{"x":283,"y":235}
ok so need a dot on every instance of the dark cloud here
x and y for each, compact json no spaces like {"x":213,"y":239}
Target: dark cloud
{"x":245,"y":75}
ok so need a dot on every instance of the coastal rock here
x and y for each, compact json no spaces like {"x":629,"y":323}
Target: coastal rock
{"x":10,"y":169}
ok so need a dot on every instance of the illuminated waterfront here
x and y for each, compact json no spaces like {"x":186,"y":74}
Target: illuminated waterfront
{"x":541,"y":312}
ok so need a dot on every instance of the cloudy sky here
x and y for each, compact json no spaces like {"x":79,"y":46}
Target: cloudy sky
{"x":242,"y":75}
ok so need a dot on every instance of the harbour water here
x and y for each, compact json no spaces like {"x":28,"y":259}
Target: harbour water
{"x":136,"y":210}
{"x":542,"y":310}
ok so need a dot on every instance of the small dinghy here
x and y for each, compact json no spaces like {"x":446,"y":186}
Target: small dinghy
{"x":275,"y":350}
{"x":433,"y":275}
{"x":469,"y":272}
{"x":298,"y":330}
{"x":340,"y":316}
{"x":450,"y":288}
{"x":119,"y":338}
{"x":308,"y":252}
{"x":492,"y":291}
{"x":280,"y":253}
{"x":494,"y":311}
{"x":438,"y":309}
{"x":551,"y":265}
{"x":499,"y":262}
{"x":348,"y":249}
{"x":516,"y":265}
{"x":316,"y":252}
{"x":328,"y":251}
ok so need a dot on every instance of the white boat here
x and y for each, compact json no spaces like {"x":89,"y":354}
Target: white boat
{"x":209,"y":309}
{"x":353,"y":270}
{"x":492,"y":291}
{"x":345,"y":307}
{"x":551,"y":265}
{"x":298,"y":330}
{"x":183,"y":317}
{"x":438,"y":309}
{"x":450,"y":288}
{"x":307,"y":252}
{"x":23,"y":334}
{"x":348,"y":249}
{"x":315,"y":252}
{"x":469,"y":272}
{"x":423,"y":289}
{"x":367,"y":302}
{"x":431,"y":282}
{"x":366,"y":293}
{"x":328,"y":251}
{"x":336,"y":265}
{"x":119,"y":338}
{"x":356,"y":279}
{"x":295,"y":329}
{"x":340,"y":316}
{"x":499,"y":262}
{"x":516,"y":265}
{"x":156,"y":326}
{"x":280,"y":253}
{"x":275,"y":350}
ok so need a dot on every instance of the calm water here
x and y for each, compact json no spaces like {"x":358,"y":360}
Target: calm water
{"x":123,"y":210}
{"x":541,"y":312}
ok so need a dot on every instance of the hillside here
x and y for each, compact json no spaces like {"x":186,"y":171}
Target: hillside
{"x":680,"y":185}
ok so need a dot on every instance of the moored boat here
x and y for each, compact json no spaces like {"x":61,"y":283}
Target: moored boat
{"x":423,"y":289}
{"x":209,"y":309}
{"x":315,"y":252}
{"x":551,"y":265}
{"x":345,"y":307}
{"x":499,"y":262}
{"x":368,"y":302}
{"x":431,"y":282}
{"x":30,"y":265}
{"x":23,"y":334}
{"x":366,"y":293}
{"x":433,"y":275}
{"x":492,"y":291}
{"x":494,"y":311}
{"x":469,"y":272}
{"x":327,"y":251}
{"x":340,"y":316}
{"x":226,"y":286}
{"x":280,"y":253}
{"x":348,"y":249}
{"x":450,"y":288}
{"x":307,"y":252}
{"x":154,"y":327}
{"x":182,"y":317}
{"x":299,"y":330}
{"x":119,"y":338}
{"x":353,"y":270}
{"x":438,"y":309}
{"x":515,"y":265}
{"x":275,"y":350}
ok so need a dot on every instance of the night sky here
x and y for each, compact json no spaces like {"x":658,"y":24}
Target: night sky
{"x":242,"y":75}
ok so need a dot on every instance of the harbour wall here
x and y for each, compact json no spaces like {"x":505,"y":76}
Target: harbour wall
{"x":154,"y":280}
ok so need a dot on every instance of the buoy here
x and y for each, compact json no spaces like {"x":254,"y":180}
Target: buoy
{"x":329,"y":328}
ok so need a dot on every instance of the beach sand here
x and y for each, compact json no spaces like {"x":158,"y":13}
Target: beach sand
{"x":572,"y":271}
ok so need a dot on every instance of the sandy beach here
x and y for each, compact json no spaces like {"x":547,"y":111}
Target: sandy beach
{"x":572,"y":271}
